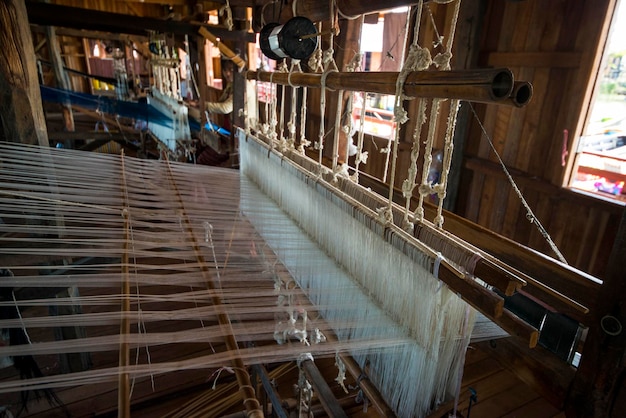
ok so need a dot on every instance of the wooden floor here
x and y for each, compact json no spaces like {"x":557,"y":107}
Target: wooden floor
{"x":499,"y":393}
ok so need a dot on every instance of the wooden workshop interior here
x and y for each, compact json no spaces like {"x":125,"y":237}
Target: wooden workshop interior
{"x":310,"y":208}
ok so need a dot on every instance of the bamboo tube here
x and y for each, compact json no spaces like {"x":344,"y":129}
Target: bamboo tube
{"x":484,"y":85}
{"x":245,"y":386}
{"x":521,"y":94}
{"x":223,"y":48}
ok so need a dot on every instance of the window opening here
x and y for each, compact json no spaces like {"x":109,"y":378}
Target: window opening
{"x":382,"y":45}
{"x":601,"y":156}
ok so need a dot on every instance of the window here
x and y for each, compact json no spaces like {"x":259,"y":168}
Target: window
{"x":601,"y":157}
{"x":382,"y":45}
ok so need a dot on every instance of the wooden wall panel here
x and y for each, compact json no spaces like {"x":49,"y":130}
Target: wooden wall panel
{"x":553,"y":44}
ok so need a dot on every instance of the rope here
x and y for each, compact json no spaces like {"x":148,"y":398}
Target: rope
{"x":291,"y":125}
{"x":415,"y":60}
{"x":329,"y":66}
{"x":226,"y":10}
{"x":529,"y":212}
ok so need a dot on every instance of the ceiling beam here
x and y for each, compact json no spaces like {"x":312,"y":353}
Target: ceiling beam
{"x":163,"y":2}
{"x":319,"y":11}
{"x":79,"y":18}
{"x":92,"y":34}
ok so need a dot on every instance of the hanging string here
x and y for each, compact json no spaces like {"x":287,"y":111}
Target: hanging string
{"x":415,"y":61}
{"x":530,"y":215}
{"x":292,"y":124}
{"x":337,"y":132}
{"x":282,"y":67}
{"x":448,"y":148}
{"x":328,"y":59}
{"x":315,"y":62}
{"x":441,"y":61}
{"x":226,"y":10}
{"x":410,"y":182}
{"x":304,"y":143}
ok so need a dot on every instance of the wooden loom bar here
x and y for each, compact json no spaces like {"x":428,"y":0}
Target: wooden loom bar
{"x":243,"y":378}
{"x":515,"y":257}
{"x":482,"y":299}
{"x":369,"y":389}
{"x":478,"y":296}
{"x":486,"y":269}
{"x":123,"y":391}
{"x":484,"y":85}
{"x":324,"y":393}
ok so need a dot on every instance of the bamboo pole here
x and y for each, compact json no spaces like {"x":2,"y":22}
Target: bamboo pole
{"x":223,"y":48}
{"x":243,"y":378}
{"x":483,"y":86}
{"x":123,"y":390}
{"x":21,"y":110}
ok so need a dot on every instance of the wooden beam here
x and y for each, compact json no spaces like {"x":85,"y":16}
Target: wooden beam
{"x":21,"y":110}
{"x":562,"y":287}
{"x":97,"y":135}
{"x":93,"y":34}
{"x":322,"y":390}
{"x":163,"y":2}
{"x":320,"y":11}
{"x":79,"y":18}
{"x":534,"y":59}
{"x":230,"y":54}
{"x":61,"y":77}
{"x":123,"y":410}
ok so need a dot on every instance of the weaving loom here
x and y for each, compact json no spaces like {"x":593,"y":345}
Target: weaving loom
{"x":137,"y":217}
{"x":286,"y":261}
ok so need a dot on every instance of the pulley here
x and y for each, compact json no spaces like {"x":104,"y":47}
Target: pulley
{"x":295,"y":39}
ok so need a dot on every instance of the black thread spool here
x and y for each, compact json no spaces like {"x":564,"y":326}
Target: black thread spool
{"x":286,"y":41}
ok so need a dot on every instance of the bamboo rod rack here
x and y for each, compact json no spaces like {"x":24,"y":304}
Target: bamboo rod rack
{"x":480,"y":85}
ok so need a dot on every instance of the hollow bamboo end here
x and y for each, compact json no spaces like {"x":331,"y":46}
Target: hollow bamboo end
{"x":502,"y":84}
{"x":522,"y":93}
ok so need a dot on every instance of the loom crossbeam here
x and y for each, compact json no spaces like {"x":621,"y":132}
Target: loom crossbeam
{"x":485,"y":86}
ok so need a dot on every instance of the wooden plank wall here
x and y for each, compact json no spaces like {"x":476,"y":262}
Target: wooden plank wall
{"x":553,"y":44}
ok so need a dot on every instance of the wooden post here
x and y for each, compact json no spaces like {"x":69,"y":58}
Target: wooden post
{"x":21,"y":110}
{"x":62,"y":80}
{"x":598,"y":387}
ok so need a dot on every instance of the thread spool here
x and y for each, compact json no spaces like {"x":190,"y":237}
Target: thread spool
{"x":291,"y":40}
